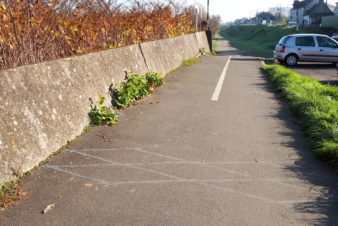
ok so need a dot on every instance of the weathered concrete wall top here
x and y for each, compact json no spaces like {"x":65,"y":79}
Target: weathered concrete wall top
{"x":45,"y":105}
{"x":202,"y":41}
{"x":165,"y":55}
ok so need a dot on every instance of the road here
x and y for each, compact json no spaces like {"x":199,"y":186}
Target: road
{"x":214,"y":146}
{"x":323,"y":72}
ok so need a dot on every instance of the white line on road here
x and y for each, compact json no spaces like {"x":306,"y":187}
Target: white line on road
{"x":218,"y":88}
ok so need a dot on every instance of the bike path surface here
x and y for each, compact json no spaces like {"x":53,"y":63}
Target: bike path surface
{"x":181,"y":158}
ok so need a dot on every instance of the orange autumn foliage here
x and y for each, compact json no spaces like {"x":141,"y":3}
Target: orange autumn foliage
{"x":33,"y":31}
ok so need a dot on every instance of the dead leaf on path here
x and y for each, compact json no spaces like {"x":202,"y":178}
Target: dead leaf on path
{"x":2,"y":209}
{"x":138,"y":102}
{"x":105,"y":138}
{"x":256,"y":160}
{"x":88,"y":185}
{"x":23,"y":194}
{"x":48,"y":208}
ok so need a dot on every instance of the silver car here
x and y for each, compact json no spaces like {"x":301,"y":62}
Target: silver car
{"x":296,"y":48}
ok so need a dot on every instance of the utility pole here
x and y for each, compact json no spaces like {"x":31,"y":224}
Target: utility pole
{"x":208,"y":32}
{"x":280,"y":13}
{"x":208,"y":11}
{"x":197,"y":14}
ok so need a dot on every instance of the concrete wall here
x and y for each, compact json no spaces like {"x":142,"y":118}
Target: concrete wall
{"x":45,"y":105}
{"x":166,"y":55}
{"x":202,"y":41}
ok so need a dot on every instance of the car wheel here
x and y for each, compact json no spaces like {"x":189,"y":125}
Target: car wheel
{"x":291,"y":60}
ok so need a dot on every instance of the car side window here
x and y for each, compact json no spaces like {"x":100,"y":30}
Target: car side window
{"x":305,"y":41}
{"x":326,"y":42}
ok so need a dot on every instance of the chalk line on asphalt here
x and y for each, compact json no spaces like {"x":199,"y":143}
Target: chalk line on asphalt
{"x":178,"y":179}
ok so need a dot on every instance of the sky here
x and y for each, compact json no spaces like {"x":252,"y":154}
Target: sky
{"x":230,"y":10}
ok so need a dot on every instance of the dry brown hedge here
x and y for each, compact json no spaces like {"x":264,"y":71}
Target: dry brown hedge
{"x":33,"y":31}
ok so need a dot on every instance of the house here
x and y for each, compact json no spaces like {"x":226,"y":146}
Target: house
{"x":331,"y":21}
{"x":336,"y":9}
{"x":242,"y":21}
{"x":265,"y":18}
{"x":282,"y":11}
{"x":308,"y":12}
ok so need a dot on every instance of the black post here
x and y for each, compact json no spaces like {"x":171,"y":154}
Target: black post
{"x":209,"y":36}
{"x":208,"y":32}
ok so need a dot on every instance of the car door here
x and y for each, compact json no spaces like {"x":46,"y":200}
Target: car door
{"x":328,"y":49}
{"x":306,"y":48}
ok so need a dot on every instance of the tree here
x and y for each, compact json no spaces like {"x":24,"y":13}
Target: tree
{"x":215,"y":23}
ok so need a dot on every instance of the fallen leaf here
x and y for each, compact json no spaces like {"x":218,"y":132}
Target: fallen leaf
{"x":256,"y":160}
{"x":88,"y":185}
{"x":105,"y":138}
{"x":23,"y":194}
{"x":2,"y":209}
{"x":48,"y":208}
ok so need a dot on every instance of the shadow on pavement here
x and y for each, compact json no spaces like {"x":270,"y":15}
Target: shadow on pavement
{"x":331,"y":83}
{"x":238,"y":52}
{"x":315,"y":172}
{"x":244,"y":59}
{"x":313,"y":66}
{"x":308,"y":168}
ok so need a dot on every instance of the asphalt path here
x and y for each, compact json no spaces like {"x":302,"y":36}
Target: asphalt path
{"x":323,"y":72}
{"x":214,"y":146}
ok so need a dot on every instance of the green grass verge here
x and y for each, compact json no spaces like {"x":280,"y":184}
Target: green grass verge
{"x":214,"y":45}
{"x":314,"y":104}
{"x":190,"y":61}
{"x":260,"y":39}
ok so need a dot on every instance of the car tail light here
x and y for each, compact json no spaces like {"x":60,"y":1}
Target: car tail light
{"x":282,"y":50}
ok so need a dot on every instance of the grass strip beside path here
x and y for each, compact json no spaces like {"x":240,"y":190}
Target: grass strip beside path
{"x":261,"y":39}
{"x":190,"y":61}
{"x":315,"y":105}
